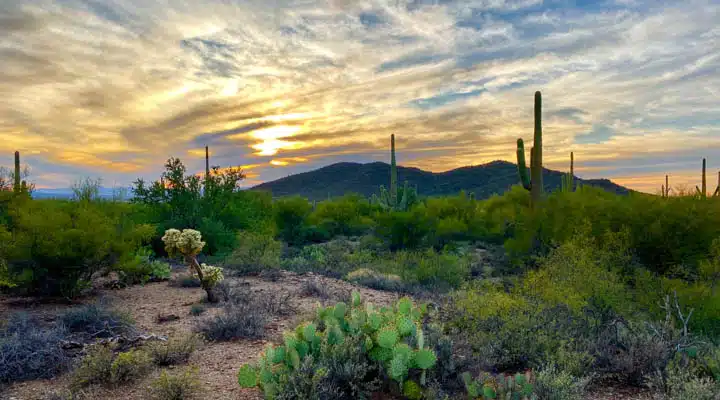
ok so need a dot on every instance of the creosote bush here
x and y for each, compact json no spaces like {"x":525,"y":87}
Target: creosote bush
{"x":236,"y":321}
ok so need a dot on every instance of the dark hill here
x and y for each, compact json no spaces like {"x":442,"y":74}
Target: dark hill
{"x":484,"y":180}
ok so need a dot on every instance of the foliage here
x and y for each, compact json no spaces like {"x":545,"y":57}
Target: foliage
{"x":427,"y":268}
{"x":488,"y":386}
{"x":197,"y":309}
{"x":182,"y":385}
{"x":349,"y":215}
{"x":254,"y":252}
{"x":378,"y":281}
{"x":291,"y":216}
{"x":554,"y":383}
{"x":392,"y":337}
{"x":56,"y":246}
{"x":177,"y":350}
{"x":141,"y":268}
{"x":86,"y":189}
{"x":95,"y":367}
{"x":129,"y":366}
{"x":96,"y":320}
{"x":236,"y":321}
{"x":29,"y":350}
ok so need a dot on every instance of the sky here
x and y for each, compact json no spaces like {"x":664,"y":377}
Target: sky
{"x":112,"y":88}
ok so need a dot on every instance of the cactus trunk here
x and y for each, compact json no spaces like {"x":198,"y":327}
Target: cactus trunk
{"x":393,"y":172}
{"x":207,"y":168}
{"x":522,"y":167}
{"x":704,"y":181}
{"x":536,"y":189}
{"x":667,"y":187}
{"x":16,"y":184}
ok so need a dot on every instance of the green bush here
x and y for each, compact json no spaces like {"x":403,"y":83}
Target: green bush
{"x":349,"y":215}
{"x":253,"y":253}
{"x":176,"y":350}
{"x":56,"y":246}
{"x":140,"y":268}
{"x":428,"y":268}
{"x":182,"y":385}
{"x":291,"y":215}
{"x":339,"y":348}
{"x":129,"y":366}
{"x":95,"y":367}
{"x":403,"y":230}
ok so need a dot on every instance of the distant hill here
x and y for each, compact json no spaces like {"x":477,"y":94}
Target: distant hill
{"x":484,"y":180}
{"x":67,"y":193}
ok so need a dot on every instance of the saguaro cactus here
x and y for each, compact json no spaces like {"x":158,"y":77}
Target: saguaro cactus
{"x":702,"y":192}
{"x":665,"y":189}
{"x":569,"y":178}
{"x":535,"y":183}
{"x":393,"y":171}
{"x":16,"y":184}
{"x":717,"y":189}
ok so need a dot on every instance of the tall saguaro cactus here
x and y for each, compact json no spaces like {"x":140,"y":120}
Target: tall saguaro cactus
{"x":665,"y":190}
{"x":535,"y":183}
{"x":393,"y":171}
{"x":568,"y":181}
{"x":717,"y":189}
{"x":16,"y":184}
{"x":395,"y":199}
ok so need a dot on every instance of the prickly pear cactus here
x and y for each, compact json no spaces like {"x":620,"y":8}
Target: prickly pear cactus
{"x":392,"y":337}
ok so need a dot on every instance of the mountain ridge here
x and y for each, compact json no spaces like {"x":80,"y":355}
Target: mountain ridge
{"x":495,"y":177}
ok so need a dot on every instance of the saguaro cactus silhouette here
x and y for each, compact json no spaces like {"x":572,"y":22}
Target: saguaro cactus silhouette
{"x":535,"y":183}
{"x":16,"y":184}
{"x":703,"y":192}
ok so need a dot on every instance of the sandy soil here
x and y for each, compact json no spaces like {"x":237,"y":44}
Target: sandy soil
{"x":217,"y":362}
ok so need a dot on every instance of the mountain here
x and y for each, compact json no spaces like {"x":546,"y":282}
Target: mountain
{"x":484,"y":180}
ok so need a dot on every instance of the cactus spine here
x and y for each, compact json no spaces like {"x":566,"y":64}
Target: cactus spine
{"x":16,"y":184}
{"x":702,"y":193}
{"x":535,"y":183}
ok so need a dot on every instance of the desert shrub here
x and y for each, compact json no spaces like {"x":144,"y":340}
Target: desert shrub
{"x":182,"y":385}
{"x":57,"y":246}
{"x":231,"y":292}
{"x":557,"y":384}
{"x":140,"y":268}
{"x":291,"y":219}
{"x":335,"y":258}
{"x":315,"y":288}
{"x":253,"y":253}
{"x":349,"y":215}
{"x":403,"y":230}
{"x":428,"y":268}
{"x":236,"y":321}
{"x":29,"y":350}
{"x":356,"y":338}
{"x":197,"y":309}
{"x":378,"y":281}
{"x":681,"y":380}
{"x":177,"y":350}
{"x":129,"y":366}
{"x":95,"y":367}
{"x":96,"y":320}
{"x":275,"y":303}
{"x":185,"y":281}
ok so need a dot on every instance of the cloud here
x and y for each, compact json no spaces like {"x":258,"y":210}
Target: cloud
{"x":114,"y":86}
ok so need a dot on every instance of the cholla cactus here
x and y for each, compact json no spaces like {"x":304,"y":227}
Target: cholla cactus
{"x":188,"y":243}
